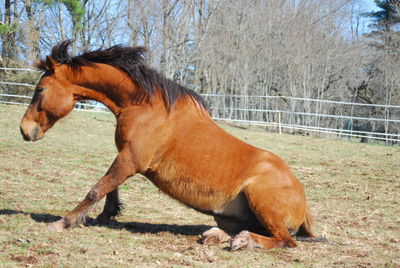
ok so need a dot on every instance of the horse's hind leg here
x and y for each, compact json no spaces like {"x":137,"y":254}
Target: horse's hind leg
{"x":112,"y":207}
{"x":234,"y":217}
{"x":272,"y":207}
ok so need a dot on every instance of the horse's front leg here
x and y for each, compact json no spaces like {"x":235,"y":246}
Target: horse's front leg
{"x":112,"y":207}
{"x":122,"y":168}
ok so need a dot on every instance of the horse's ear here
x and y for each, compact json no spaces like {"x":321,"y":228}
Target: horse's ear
{"x":50,"y":64}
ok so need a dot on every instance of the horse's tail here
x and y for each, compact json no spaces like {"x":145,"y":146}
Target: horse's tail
{"x":305,"y":231}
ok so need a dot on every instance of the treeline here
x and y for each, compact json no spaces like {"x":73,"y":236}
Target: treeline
{"x":321,"y":49}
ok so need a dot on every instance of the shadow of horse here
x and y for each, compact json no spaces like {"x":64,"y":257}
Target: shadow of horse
{"x":134,"y":227}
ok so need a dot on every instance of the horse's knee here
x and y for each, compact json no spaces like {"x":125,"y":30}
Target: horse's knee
{"x":93,"y":195}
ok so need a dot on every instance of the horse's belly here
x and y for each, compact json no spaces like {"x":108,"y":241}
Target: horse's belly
{"x":193,"y":193}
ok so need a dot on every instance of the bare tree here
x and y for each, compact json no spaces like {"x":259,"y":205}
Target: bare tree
{"x":302,"y":48}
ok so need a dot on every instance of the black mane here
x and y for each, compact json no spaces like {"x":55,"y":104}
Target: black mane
{"x":132,"y":61}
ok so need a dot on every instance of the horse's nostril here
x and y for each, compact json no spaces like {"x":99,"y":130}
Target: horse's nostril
{"x":26,"y":138}
{"x":34,"y":133}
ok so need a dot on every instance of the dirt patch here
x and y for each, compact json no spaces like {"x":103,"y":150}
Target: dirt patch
{"x":24,"y":259}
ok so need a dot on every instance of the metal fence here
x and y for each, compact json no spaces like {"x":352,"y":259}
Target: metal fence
{"x":278,"y":113}
{"x":305,"y":115}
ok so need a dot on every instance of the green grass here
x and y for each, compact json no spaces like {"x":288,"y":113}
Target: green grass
{"x":353,"y":191}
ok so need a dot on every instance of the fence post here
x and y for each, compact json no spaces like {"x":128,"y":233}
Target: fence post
{"x":279,"y":122}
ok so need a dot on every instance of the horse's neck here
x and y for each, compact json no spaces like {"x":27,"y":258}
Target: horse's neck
{"x":116,"y":90}
{"x":106,"y":85}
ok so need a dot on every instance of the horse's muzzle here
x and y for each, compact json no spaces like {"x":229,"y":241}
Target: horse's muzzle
{"x":31,"y":131}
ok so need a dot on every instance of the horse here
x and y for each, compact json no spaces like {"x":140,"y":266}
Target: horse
{"x":164,"y":131}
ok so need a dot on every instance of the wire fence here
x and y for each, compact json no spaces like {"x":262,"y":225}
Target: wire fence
{"x":277,"y":113}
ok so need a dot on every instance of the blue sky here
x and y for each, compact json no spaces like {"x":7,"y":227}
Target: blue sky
{"x":370,"y":4}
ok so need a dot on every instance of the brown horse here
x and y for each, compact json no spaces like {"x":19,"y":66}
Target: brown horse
{"x":165,"y":132}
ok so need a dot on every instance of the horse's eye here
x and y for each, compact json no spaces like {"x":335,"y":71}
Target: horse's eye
{"x":39,"y":89}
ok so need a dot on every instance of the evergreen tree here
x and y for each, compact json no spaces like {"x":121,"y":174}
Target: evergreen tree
{"x":387,"y":17}
{"x":385,"y":36}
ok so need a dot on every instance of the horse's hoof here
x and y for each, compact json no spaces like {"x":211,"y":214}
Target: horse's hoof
{"x":57,"y":226}
{"x":242,"y":241}
{"x":103,"y":219}
{"x":214,"y":236}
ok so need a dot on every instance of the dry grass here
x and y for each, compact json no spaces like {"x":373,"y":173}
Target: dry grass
{"x":353,"y":191}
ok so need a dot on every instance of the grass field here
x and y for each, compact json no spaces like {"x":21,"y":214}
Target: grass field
{"x":353,"y":191}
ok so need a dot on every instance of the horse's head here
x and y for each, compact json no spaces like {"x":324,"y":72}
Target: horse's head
{"x":52,"y":100}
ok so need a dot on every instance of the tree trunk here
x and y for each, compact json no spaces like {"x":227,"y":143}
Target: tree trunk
{"x":8,"y":38}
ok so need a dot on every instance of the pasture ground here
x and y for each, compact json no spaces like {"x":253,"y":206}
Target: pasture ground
{"x":353,"y":191}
